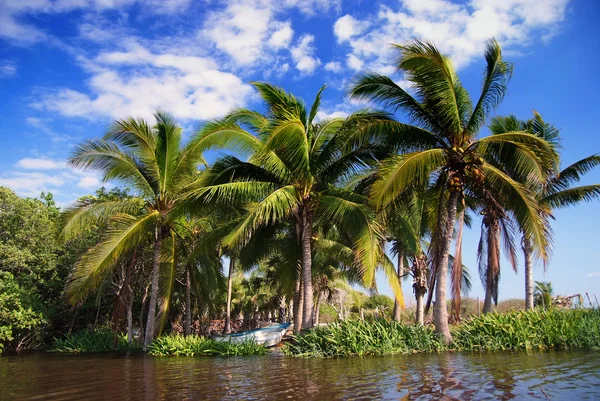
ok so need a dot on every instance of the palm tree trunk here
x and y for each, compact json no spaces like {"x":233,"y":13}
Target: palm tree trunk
{"x":187,"y":330}
{"x":228,"y":306}
{"x":317,"y":307}
{"x":153,"y":290}
{"x":130,"y":319}
{"x":493,"y":254}
{"x":419,"y":313}
{"x":527,"y":250}
{"x":397,"y":310}
{"x":307,"y":321}
{"x":298,"y":305}
{"x":440,"y":310}
{"x":281,"y":311}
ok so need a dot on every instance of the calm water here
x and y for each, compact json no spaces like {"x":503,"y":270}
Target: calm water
{"x":490,"y":376}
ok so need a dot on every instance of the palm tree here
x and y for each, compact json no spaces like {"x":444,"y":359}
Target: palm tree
{"x":150,"y":160}
{"x":556,"y":191}
{"x":543,"y":294}
{"x":441,"y":145}
{"x":294,"y":163}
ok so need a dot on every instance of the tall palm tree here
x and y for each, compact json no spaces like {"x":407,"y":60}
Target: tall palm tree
{"x":294,"y":163}
{"x":151,"y":160}
{"x":441,"y":145}
{"x":556,"y":191}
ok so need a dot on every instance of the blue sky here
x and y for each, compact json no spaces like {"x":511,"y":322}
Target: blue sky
{"x":67,"y":67}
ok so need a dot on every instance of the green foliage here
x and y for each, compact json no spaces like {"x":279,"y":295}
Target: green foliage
{"x":18,"y":321}
{"x":529,"y":330}
{"x":193,"y":345}
{"x":99,"y":340}
{"x":515,"y":330}
{"x":375,"y":337}
{"x":379,"y":301}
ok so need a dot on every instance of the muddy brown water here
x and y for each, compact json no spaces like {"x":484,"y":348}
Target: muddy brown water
{"x":447,"y":376}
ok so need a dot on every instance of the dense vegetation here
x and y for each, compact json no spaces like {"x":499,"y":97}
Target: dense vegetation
{"x":517,"y":330}
{"x":193,"y":345}
{"x":304,"y":210}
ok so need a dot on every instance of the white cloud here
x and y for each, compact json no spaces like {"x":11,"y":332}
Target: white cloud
{"x":593,"y":274}
{"x":303,"y":55}
{"x":282,"y":36}
{"x":89,"y":182}
{"x":347,"y":26}
{"x":7,"y":69}
{"x":137,"y":82}
{"x":30,"y":163}
{"x":459,"y":30}
{"x":355,"y":63}
{"x":333,"y":66}
{"x":13,"y":28}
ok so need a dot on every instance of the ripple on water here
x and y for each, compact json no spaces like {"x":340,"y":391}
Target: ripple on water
{"x":447,"y":376}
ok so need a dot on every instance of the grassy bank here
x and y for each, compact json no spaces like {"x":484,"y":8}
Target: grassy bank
{"x":103,"y":340}
{"x":176,"y":345}
{"x":99,"y":340}
{"x":517,"y":330}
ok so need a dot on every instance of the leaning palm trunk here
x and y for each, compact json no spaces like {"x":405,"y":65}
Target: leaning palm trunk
{"x":440,"y":311}
{"x":527,"y":250}
{"x":420,"y":288}
{"x":307,"y":321}
{"x":493,"y":264}
{"x":188,"y":304}
{"x":397,"y":310}
{"x":420,"y":315}
{"x":228,"y":307}
{"x":153,"y":290}
{"x":298,"y":305}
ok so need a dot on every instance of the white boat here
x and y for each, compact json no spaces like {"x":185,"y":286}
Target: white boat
{"x":267,"y":336}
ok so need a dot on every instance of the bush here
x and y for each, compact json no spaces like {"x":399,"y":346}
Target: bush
{"x":535,"y":329}
{"x":177,"y":345}
{"x":516,"y":330}
{"x":371,"y":337}
{"x":20,"y":325}
{"x":99,"y":340}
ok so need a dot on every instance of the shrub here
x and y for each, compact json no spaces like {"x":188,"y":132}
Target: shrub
{"x":177,"y":345}
{"x":99,"y":340}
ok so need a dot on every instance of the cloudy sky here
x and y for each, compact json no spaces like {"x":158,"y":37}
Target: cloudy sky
{"x":67,"y":67}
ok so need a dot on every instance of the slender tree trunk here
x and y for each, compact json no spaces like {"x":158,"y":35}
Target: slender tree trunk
{"x":419,"y":313}
{"x":187,"y":330}
{"x":142,"y":310}
{"x":527,"y":250}
{"x":228,"y":306}
{"x":153,"y":290}
{"x":130,"y":319}
{"x":298,"y":305}
{"x":397,"y":310}
{"x":307,"y":321}
{"x":317,"y":307}
{"x":440,"y":310}
{"x":493,"y":255}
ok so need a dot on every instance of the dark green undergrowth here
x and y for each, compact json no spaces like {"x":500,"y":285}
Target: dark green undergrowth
{"x":177,"y":345}
{"x":516,"y":330}
{"x":99,"y":340}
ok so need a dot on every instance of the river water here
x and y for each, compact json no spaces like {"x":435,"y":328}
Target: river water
{"x":447,"y":376}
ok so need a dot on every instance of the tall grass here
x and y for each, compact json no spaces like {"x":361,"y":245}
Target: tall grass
{"x":515,"y":330}
{"x":375,"y":337}
{"x":99,"y":340}
{"x":177,"y":345}
{"x":529,"y":330}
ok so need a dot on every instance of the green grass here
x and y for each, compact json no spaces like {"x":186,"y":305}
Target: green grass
{"x":515,"y":330}
{"x":99,"y":340}
{"x":177,"y":345}
{"x":375,"y":337}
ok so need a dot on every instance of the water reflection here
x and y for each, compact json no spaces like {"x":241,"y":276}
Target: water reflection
{"x":448,"y":376}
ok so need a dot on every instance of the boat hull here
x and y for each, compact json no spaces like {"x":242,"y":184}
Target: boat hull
{"x":267,"y":336}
